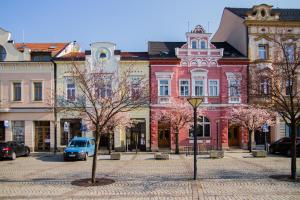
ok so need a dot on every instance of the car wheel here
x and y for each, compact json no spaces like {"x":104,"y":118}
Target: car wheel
{"x":27,"y":153}
{"x":13,"y":156}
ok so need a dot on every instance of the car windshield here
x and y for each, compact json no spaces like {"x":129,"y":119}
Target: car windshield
{"x":77,"y":143}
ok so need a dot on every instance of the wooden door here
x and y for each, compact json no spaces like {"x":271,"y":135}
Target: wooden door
{"x":164,"y":136}
{"x":233,"y":136}
{"x":42,"y":138}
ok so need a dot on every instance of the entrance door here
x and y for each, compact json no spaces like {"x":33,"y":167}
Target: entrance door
{"x":233,"y":136}
{"x":136,"y":137}
{"x":42,"y":136}
{"x":163,"y":135}
{"x":259,"y":137}
{"x":2,"y":131}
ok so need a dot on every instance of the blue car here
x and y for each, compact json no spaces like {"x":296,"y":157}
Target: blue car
{"x":79,"y":148}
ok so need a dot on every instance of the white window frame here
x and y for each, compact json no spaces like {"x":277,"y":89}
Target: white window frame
{"x":33,"y":90}
{"x":266,"y":51}
{"x":12,"y":90}
{"x":188,"y":85}
{"x":218,"y":87}
{"x":69,"y":80}
{"x":203,"y":86}
{"x":199,"y":74}
{"x":205,"y":44}
{"x":169,"y":87}
{"x":236,"y":77}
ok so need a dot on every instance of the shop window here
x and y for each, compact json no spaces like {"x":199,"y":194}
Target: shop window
{"x":18,"y":130}
{"x":203,"y":127}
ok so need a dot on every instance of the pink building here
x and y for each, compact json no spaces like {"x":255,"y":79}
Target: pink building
{"x":197,"y":67}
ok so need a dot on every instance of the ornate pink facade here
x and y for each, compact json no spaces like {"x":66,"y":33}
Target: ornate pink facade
{"x":216,"y":71}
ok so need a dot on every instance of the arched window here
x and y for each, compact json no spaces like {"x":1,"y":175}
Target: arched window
{"x":203,"y":127}
{"x":2,"y":53}
{"x":194,"y":45}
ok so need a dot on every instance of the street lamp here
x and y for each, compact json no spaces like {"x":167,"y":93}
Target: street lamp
{"x":195,"y":103}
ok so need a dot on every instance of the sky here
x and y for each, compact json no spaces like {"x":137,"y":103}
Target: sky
{"x":130,"y":24}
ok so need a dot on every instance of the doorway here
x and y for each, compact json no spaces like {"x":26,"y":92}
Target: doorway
{"x":233,"y":136}
{"x":164,"y":135}
{"x":136,"y":135}
{"x":42,"y":135}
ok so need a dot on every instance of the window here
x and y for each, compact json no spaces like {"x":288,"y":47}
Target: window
{"x":106,"y":90}
{"x":194,"y":44}
{"x":234,"y":88}
{"x":184,"y":86}
{"x":199,"y":88}
{"x":18,"y":129}
{"x":265,"y":86}
{"x":290,"y":52}
{"x":213,"y":88}
{"x":71,"y":91}
{"x":17,"y":91}
{"x":263,"y":52}
{"x":135,"y":87}
{"x":164,"y":89}
{"x":203,"y":127}
{"x":38,"y":88}
{"x":288,"y":130}
{"x":2,"y":53}
{"x":288,"y":87}
{"x":202,"y":44}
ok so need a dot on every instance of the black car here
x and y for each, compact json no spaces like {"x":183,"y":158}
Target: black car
{"x":13,"y":149}
{"x":283,"y":146}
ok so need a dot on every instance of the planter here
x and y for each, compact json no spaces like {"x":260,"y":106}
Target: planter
{"x":259,"y":153}
{"x":115,"y":156}
{"x":216,"y":154}
{"x":161,"y":156}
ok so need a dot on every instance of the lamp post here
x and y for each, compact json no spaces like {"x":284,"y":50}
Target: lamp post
{"x":195,"y":103}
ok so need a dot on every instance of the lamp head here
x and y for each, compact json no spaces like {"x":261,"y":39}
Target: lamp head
{"x":195,"y":101}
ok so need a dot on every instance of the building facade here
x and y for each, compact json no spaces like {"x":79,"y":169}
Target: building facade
{"x":217,"y":72}
{"x":26,"y":91}
{"x":251,"y":31}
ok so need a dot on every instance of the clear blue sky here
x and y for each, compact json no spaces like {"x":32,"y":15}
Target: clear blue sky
{"x":128,"y":23}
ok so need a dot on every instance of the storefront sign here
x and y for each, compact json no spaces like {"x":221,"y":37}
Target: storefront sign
{"x":6,"y":123}
{"x":66,"y":126}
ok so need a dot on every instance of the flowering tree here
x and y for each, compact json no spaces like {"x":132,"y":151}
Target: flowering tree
{"x":102,"y":96}
{"x":277,"y":87}
{"x":251,"y":118}
{"x":180,"y":115}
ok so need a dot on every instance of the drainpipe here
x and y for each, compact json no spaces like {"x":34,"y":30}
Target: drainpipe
{"x":55,"y":105}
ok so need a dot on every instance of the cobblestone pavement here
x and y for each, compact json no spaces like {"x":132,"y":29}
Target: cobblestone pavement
{"x":236,"y":176}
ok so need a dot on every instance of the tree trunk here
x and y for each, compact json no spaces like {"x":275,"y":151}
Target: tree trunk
{"x":293,"y":150}
{"x":250,"y":133}
{"x":109,"y":143}
{"x":177,"y":141}
{"x":94,"y":168}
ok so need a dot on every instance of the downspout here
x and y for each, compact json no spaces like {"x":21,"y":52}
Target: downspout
{"x":55,"y":105}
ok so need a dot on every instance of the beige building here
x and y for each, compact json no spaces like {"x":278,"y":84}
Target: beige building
{"x":26,"y":91}
{"x":250,"y":30}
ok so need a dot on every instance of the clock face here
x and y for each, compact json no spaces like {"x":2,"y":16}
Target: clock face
{"x":103,"y":54}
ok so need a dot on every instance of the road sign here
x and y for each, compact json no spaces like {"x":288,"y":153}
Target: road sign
{"x":6,"y":123}
{"x":83,"y":127}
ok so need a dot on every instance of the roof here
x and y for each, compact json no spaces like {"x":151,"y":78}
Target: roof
{"x":163,"y":49}
{"x":229,"y":51}
{"x":53,"y":48}
{"x":285,"y":14}
{"x":134,"y":56}
{"x":72,"y":56}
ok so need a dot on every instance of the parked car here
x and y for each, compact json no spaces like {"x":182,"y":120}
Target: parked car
{"x":283,"y":146}
{"x":13,"y":149}
{"x":79,"y":148}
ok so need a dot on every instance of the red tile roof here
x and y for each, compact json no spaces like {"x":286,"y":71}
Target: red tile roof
{"x":53,"y":48}
{"x":76,"y":56}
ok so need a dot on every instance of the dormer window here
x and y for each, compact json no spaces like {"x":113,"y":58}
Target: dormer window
{"x":194,"y":44}
{"x":202,"y":44}
{"x":2,"y":53}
